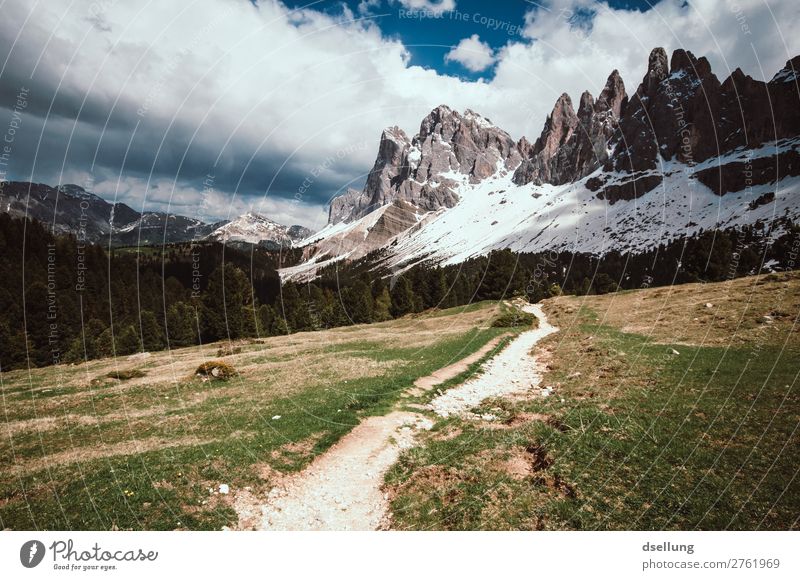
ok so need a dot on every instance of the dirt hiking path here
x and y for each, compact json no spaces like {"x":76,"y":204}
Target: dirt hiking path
{"x":512,"y":371}
{"x":341,"y":490}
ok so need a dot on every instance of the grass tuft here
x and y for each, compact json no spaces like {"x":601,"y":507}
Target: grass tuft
{"x":514,"y":318}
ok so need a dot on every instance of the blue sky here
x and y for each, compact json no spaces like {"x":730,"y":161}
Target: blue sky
{"x":429,"y":38}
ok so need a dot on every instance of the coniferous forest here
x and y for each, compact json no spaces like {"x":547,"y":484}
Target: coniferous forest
{"x":65,"y":301}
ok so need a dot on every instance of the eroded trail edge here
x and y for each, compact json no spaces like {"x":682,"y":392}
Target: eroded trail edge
{"x":341,"y":489}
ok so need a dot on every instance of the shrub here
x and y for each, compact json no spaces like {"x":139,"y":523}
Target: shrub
{"x":216,"y":369}
{"x":514,"y":318}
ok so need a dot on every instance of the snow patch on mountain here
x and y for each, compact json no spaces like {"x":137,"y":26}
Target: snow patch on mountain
{"x":255,"y":228}
{"x":496,"y":213}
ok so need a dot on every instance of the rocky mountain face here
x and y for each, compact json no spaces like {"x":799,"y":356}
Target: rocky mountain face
{"x":359,"y":238}
{"x":424,"y":171}
{"x":70,"y":209}
{"x":572,"y":145}
{"x":682,"y":134}
{"x":681,"y":111}
{"x":153,"y":228}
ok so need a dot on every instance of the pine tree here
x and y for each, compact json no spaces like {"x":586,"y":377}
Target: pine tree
{"x":402,"y":297}
{"x":152,"y":333}
{"x":383,"y":306}
{"x":228,"y":290}
{"x":603,"y":284}
{"x":502,"y":278}
{"x":357,"y":302}
{"x":293,"y":309}
{"x":12,"y":348}
{"x":182,"y":325}
{"x":437,"y":288}
{"x":127,"y":341}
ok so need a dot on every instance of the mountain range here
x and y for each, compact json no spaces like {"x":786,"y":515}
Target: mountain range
{"x":683,"y":153}
{"x":70,"y":209}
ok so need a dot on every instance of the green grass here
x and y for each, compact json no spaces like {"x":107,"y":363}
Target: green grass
{"x":229,"y":427}
{"x":643,"y":439}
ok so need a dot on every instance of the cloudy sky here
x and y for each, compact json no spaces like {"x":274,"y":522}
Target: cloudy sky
{"x":210,"y":108}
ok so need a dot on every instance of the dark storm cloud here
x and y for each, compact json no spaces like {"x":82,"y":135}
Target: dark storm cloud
{"x":148,"y":122}
{"x":91,"y":135}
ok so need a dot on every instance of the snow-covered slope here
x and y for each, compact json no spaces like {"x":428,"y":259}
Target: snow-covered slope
{"x":354,"y":240}
{"x":496,"y":213}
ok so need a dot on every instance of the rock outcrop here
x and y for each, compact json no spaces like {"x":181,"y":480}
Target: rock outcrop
{"x":573,"y":145}
{"x":424,"y":171}
{"x":685,"y":114}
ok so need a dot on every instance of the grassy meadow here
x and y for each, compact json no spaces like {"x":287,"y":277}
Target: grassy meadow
{"x":142,"y":442}
{"x":673,"y":408}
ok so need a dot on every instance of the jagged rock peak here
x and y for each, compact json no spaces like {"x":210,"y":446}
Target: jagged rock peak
{"x":442,"y":121}
{"x":563,"y":104}
{"x":573,"y":145}
{"x":586,"y":105}
{"x":558,"y":127}
{"x":395,"y":134}
{"x":342,"y":205}
{"x":420,"y":171}
{"x":657,"y":70}
{"x":684,"y":60}
{"x":788,"y":74}
{"x":613,"y":95}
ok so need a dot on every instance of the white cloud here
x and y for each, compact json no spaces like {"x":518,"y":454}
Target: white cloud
{"x":557,"y":57}
{"x":274,"y":93}
{"x":472,"y":53}
{"x":434,"y":6}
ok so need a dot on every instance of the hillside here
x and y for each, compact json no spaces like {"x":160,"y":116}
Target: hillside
{"x":71,"y":209}
{"x":653,"y":410}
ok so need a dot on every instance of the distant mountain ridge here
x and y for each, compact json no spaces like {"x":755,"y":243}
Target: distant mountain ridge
{"x":255,"y":228}
{"x":70,"y":209}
